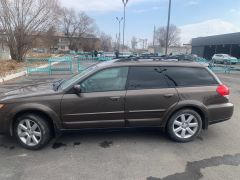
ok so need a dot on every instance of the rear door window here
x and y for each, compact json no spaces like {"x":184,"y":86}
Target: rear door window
{"x":189,"y":76}
{"x":146,"y":78}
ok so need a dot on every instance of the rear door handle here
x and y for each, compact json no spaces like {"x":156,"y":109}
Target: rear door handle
{"x":168,"y":95}
{"x":115,"y":98}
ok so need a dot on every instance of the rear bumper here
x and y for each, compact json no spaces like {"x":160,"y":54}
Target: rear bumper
{"x":219,"y":113}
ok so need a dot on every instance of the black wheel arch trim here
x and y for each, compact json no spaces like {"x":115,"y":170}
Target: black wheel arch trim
{"x":195,"y":105}
{"x":33,"y":107}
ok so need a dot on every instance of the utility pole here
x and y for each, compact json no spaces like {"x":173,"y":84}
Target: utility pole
{"x":154,"y":35}
{"x":119,"y":35}
{"x":168,"y":24}
{"x":124,"y":19}
{"x":146,"y":43}
{"x":143,"y":43}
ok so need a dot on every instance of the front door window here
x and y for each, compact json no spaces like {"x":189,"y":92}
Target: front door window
{"x":113,"y":79}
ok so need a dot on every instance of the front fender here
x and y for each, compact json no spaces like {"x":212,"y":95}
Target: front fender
{"x":33,"y":107}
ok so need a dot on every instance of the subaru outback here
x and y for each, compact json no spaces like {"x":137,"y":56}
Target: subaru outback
{"x":180,"y":97}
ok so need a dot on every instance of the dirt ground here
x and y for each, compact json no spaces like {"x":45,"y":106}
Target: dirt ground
{"x":10,"y":66}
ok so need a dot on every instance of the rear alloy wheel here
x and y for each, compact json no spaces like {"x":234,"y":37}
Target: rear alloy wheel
{"x":185,"y":125}
{"x":32,"y":131}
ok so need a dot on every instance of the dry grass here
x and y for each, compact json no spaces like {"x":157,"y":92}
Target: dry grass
{"x":43,"y":55}
{"x":10,"y":66}
{"x":39,"y":55}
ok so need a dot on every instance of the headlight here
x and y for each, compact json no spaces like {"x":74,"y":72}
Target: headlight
{"x":1,"y":106}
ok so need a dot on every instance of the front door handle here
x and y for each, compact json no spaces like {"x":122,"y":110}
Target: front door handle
{"x":168,"y":95}
{"x":115,"y":98}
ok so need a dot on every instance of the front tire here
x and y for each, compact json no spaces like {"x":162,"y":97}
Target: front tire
{"x":184,"y":126}
{"x":32,"y":131}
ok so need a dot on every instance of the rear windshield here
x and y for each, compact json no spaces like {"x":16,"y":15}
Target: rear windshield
{"x":189,"y":76}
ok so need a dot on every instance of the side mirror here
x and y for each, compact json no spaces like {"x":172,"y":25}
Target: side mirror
{"x":77,"y":88}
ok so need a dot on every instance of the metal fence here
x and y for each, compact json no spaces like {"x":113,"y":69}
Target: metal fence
{"x":71,"y":65}
{"x":37,"y":65}
{"x":221,"y":68}
{"x":61,"y":65}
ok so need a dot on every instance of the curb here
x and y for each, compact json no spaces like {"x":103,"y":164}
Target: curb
{"x":19,"y":74}
{"x":13,"y":76}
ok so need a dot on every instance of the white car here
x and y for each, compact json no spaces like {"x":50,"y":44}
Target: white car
{"x":125,"y":54}
{"x":224,"y":58}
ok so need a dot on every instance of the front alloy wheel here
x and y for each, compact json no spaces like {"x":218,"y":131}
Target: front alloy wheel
{"x":32,"y":131}
{"x":29,"y":132}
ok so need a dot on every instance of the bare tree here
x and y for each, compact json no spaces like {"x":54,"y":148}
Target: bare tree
{"x":106,"y":42}
{"x":86,"y":28}
{"x":69,"y":25}
{"x":75,"y":26}
{"x":174,"y":36}
{"x":21,"y":20}
{"x":134,"y":42}
{"x":90,"y":44}
{"x":86,"y":25}
{"x":51,"y":38}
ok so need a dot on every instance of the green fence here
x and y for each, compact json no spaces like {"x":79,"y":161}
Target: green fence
{"x":83,"y":61}
{"x":63,"y":64}
{"x":49,"y":65}
{"x":90,"y":58}
{"x":38,"y":65}
{"x":225,"y":68}
{"x":218,"y":69}
{"x":104,"y":58}
{"x":201,"y":60}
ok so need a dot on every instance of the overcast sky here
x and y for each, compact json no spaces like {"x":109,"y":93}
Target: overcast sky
{"x":194,"y":17}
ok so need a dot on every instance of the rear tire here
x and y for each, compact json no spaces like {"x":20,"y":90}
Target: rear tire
{"x":184,"y":126}
{"x":32,"y":131}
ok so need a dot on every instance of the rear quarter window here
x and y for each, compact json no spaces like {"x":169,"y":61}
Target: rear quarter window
{"x":189,"y":76}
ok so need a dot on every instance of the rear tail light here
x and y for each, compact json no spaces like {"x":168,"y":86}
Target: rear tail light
{"x":223,"y":90}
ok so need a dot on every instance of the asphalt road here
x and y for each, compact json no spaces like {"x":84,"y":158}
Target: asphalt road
{"x":131,"y":155}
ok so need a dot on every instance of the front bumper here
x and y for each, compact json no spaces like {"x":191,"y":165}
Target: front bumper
{"x":219,"y":113}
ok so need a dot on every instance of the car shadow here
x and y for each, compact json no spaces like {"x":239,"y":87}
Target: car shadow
{"x":106,"y":138}
{"x":101,"y":138}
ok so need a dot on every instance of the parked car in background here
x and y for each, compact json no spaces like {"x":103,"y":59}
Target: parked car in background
{"x":125,"y":54}
{"x":190,"y":57}
{"x":181,"y":57}
{"x":109,"y":54}
{"x":181,"y":97}
{"x":224,"y":58}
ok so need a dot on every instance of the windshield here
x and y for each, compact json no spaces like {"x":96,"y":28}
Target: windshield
{"x":74,"y":79}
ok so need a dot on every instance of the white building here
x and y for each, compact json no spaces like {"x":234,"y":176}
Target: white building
{"x":171,"y":50}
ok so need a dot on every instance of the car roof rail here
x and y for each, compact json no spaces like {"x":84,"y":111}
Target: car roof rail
{"x":145,"y":58}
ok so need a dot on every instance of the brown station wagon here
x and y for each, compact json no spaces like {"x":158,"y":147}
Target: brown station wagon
{"x":181,"y":97}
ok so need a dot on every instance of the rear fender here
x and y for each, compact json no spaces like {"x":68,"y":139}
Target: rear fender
{"x":188,"y":104}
